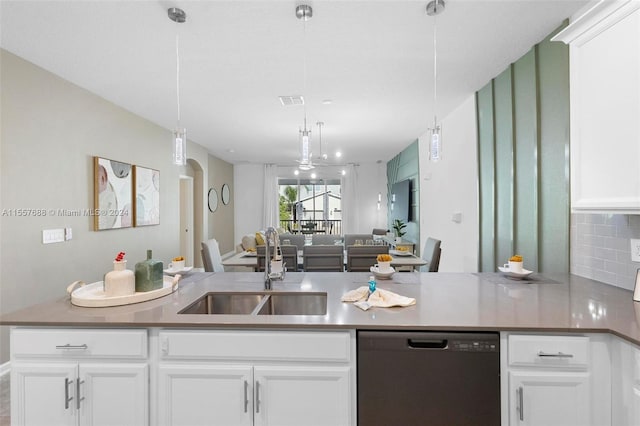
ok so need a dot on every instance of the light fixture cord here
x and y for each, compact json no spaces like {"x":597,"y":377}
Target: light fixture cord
{"x":304,"y":69}
{"x":178,"y":72}
{"x":435,"y":69}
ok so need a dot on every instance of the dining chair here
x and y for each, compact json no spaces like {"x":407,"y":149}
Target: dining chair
{"x":325,"y":240}
{"x":289,"y":257}
{"x":323,"y":258}
{"x":211,"y":257}
{"x":295,"y":239}
{"x":362,"y":258}
{"x":431,"y":254}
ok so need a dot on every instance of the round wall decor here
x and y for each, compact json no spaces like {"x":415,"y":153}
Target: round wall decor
{"x":213,"y":200}
{"x":226,"y":194}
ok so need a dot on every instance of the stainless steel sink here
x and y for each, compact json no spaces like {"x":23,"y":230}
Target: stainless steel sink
{"x":228,"y":303}
{"x":294,"y":304}
{"x":259,"y":303}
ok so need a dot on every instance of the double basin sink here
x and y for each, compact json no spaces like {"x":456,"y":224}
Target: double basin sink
{"x":259,"y":303}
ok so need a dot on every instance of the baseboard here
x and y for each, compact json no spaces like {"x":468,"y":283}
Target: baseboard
{"x":5,"y":368}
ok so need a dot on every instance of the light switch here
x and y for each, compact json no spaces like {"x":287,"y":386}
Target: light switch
{"x":456,"y":217}
{"x":635,"y":250}
{"x":52,"y":236}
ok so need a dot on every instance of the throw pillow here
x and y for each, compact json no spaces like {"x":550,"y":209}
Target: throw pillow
{"x":248,"y":242}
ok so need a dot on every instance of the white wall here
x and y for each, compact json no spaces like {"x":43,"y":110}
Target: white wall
{"x":248,"y":196}
{"x":450,"y":186}
{"x":372,"y":179}
{"x":51,"y":130}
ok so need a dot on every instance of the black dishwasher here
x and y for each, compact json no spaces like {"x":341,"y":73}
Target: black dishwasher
{"x":428,"y":378}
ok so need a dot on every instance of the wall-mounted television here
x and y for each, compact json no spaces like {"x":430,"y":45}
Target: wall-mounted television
{"x":400,"y":201}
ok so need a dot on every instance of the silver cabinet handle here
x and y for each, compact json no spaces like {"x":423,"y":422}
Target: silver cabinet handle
{"x":78,"y":397}
{"x":257,"y":396}
{"x":67,"y":398}
{"x":246,"y":396}
{"x":556,"y":355}
{"x":520,"y":392}
{"x":70,"y":346}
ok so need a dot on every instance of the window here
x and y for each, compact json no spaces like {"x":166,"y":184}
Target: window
{"x":310,"y":206}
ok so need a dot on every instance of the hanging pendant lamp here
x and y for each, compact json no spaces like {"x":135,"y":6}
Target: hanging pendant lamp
{"x":180,"y":133}
{"x":435,"y":7}
{"x":305,"y":12}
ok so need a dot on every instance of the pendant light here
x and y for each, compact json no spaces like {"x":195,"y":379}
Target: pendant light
{"x":180,"y":133}
{"x":434,"y":8}
{"x":323,"y":156}
{"x":304,"y":12}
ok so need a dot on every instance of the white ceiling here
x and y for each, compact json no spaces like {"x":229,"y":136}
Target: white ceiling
{"x":373,"y":59}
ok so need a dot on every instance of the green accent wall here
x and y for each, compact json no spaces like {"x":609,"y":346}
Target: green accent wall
{"x":523,"y":162}
{"x":406,"y":166}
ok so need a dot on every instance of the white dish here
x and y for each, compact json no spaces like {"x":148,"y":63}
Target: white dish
{"x":178,"y":271}
{"x":93,"y":295}
{"x":402,"y":253}
{"x":513,"y":274}
{"x":382,"y":275}
{"x":250,"y":254}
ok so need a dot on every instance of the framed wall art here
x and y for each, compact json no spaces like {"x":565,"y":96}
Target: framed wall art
{"x":112,"y":189}
{"x":147,"y":196}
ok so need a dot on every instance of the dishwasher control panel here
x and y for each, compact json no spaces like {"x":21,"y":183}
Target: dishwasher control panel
{"x":473,"y":346}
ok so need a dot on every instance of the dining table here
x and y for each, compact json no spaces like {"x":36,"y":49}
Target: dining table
{"x":402,"y":260}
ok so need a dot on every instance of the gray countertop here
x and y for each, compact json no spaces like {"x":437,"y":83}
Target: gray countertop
{"x":452,"y":301}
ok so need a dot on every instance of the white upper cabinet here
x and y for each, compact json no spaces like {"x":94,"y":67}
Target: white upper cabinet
{"x":605,"y":107}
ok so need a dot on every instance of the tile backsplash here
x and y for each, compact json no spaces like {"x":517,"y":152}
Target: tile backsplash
{"x":600,"y":247}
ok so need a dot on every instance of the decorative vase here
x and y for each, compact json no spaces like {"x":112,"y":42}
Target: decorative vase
{"x":149,"y":274}
{"x":398,"y":240}
{"x":119,"y":282}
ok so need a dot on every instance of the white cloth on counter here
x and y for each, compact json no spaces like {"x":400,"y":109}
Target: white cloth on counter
{"x":379,"y":298}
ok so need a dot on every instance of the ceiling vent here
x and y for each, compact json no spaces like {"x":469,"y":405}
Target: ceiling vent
{"x":291,"y":100}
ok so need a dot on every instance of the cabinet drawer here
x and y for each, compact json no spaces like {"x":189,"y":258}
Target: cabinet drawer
{"x":79,"y":343}
{"x":256,"y":345}
{"x":549,"y":351}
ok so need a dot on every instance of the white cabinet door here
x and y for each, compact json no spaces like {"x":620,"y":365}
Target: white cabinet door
{"x":299,"y":396}
{"x":113,"y":394}
{"x":549,"y":398}
{"x":625,"y":383}
{"x":196,"y":395}
{"x":43,"y":394}
{"x":605,"y":105}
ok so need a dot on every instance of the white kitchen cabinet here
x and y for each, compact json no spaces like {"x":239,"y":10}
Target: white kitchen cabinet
{"x":295,"y":396}
{"x":205,"y":395}
{"x":605,"y":106}
{"x":555,"y":380}
{"x":63,"y":377}
{"x":549,"y":398}
{"x":262,"y":378}
{"x":40,"y":394}
{"x":625,"y":382}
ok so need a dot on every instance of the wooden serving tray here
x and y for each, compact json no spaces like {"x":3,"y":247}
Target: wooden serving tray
{"x":93,"y":295}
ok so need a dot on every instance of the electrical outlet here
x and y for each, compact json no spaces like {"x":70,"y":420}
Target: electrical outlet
{"x":635,"y":250}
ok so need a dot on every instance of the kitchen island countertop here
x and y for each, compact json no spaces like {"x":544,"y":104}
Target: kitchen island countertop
{"x":445,"y":301}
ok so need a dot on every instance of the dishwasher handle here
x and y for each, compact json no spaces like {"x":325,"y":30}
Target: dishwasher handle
{"x":428,"y":343}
